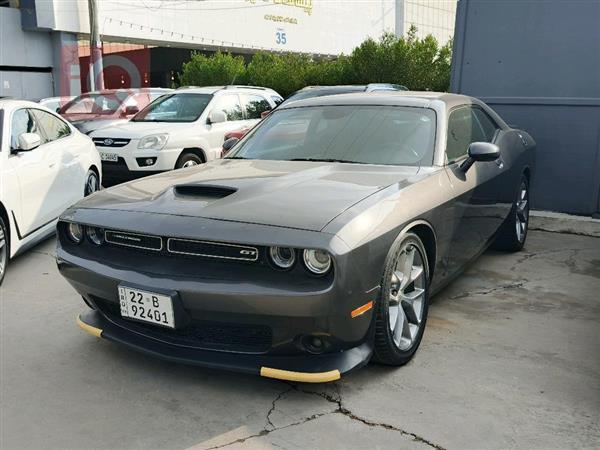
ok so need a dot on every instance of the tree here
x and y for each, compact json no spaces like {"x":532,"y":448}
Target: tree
{"x":418,"y":63}
{"x":218,"y":69}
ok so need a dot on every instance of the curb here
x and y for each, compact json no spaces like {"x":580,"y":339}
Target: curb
{"x":564,"y":223}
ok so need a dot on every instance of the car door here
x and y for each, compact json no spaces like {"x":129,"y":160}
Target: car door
{"x":473,"y":212}
{"x":64,"y":142}
{"x":37,"y":173}
{"x":231,"y":106}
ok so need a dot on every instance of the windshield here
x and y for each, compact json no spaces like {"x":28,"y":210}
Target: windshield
{"x":394,"y":135}
{"x":108,"y":103}
{"x":174,"y":108}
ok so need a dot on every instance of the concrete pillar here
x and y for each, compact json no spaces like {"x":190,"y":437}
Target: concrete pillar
{"x":399,"y":19}
{"x":65,"y":68}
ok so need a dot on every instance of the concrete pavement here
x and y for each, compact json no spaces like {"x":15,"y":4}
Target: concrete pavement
{"x":509,"y":359}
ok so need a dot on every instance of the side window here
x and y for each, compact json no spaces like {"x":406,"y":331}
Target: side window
{"x":255,"y":106}
{"x":487,"y":124}
{"x":459,"y":133}
{"x":53,"y":127}
{"x":463,"y":128}
{"x":278,"y":100}
{"x":22,"y":122}
{"x":230,"y":105}
{"x":140,"y":100}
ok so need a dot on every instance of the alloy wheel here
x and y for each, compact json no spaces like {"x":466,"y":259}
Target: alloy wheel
{"x":189,"y":163}
{"x":522,"y":212}
{"x":91,"y":183}
{"x":406,"y":297}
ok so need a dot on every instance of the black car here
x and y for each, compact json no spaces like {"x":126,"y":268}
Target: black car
{"x":314,"y":247}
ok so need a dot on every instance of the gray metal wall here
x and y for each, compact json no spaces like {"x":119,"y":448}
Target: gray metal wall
{"x":24,"y":52}
{"x":538,"y":65}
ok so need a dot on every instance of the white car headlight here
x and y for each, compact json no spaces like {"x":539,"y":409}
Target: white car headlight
{"x":153,"y":141}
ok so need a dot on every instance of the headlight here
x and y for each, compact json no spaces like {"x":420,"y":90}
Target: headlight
{"x":153,"y":141}
{"x":317,"y":261}
{"x":96,"y":235}
{"x":282,"y":257}
{"x":75,"y":232}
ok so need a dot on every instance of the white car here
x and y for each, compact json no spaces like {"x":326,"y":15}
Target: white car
{"x":46,"y":165}
{"x":181,"y":129}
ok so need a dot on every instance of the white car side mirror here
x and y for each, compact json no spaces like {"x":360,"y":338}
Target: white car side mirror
{"x":217,"y":117}
{"x":29,"y":141}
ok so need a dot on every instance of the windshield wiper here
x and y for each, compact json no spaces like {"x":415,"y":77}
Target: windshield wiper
{"x":235,"y":157}
{"x":326,"y":160}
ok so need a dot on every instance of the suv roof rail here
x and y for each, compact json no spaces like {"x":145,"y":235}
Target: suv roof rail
{"x":237,"y":86}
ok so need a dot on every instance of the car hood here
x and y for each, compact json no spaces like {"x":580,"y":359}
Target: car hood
{"x":87,"y":126}
{"x":134,"y":130}
{"x":84,"y":117}
{"x":294,"y":194}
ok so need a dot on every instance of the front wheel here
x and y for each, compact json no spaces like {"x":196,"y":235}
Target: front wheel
{"x":513,"y":232}
{"x":403,"y":303}
{"x":188,"y":159}
{"x":92,"y":183}
{"x":4,"y":254}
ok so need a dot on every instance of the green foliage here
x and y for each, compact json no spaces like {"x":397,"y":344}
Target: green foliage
{"x":418,"y":63}
{"x":218,"y":69}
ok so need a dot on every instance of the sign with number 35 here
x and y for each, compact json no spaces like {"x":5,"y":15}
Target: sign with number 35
{"x":280,"y":37}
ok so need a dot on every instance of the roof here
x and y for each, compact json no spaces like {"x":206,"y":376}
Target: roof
{"x":128,"y":90}
{"x":408,"y":98}
{"x":213,"y":89}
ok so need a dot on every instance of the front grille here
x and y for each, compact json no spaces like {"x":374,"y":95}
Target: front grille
{"x":110,"y":142}
{"x":199,"y":334}
{"x":187,"y":247}
{"x":134,"y":240}
{"x":212,"y":249}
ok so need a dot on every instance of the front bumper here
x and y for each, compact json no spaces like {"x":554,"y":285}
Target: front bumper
{"x":305,"y":368}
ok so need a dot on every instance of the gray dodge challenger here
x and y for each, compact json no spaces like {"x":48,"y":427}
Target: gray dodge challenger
{"x":314,"y":247}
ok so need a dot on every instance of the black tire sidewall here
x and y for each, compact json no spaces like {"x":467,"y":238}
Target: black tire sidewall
{"x":386,"y":351}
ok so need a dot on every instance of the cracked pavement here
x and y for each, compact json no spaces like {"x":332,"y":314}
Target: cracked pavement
{"x":509,"y":359}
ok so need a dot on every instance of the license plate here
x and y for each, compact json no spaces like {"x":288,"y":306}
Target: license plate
{"x":146,"y":306}
{"x":109,"y":157}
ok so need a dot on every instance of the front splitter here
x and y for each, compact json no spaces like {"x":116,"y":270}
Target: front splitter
{"x":299,"y":368}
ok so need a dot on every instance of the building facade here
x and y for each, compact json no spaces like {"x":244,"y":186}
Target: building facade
{"x":41,"y":39}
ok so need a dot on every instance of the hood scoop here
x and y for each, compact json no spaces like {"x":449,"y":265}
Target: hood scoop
{"x":203,"y":191}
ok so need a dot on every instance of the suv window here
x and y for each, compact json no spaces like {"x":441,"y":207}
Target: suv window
{"x":53,"y":127}
{"x":255,"y":105}
{"x":230,"y":105}
{"x":488,"y":125}
{"x":463,"y":128}
{"x":277,"y":100}
{"x":23,"y":122}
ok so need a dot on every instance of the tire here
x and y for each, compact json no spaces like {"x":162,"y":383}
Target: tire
{"x":92,"y":183}
{"x":513,"y":232}
{"x":188,"y":159}
{"x":4,"y":248}
{"x":398,"y":326}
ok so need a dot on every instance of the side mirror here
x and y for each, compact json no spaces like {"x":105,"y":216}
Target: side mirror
{"x":480,"y":151}
{"x":217,"y":117}
{"x":229,"y":144}
{"x":28,"y":141}
{"x":131,"y":110}
{"x":265,"y":113}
